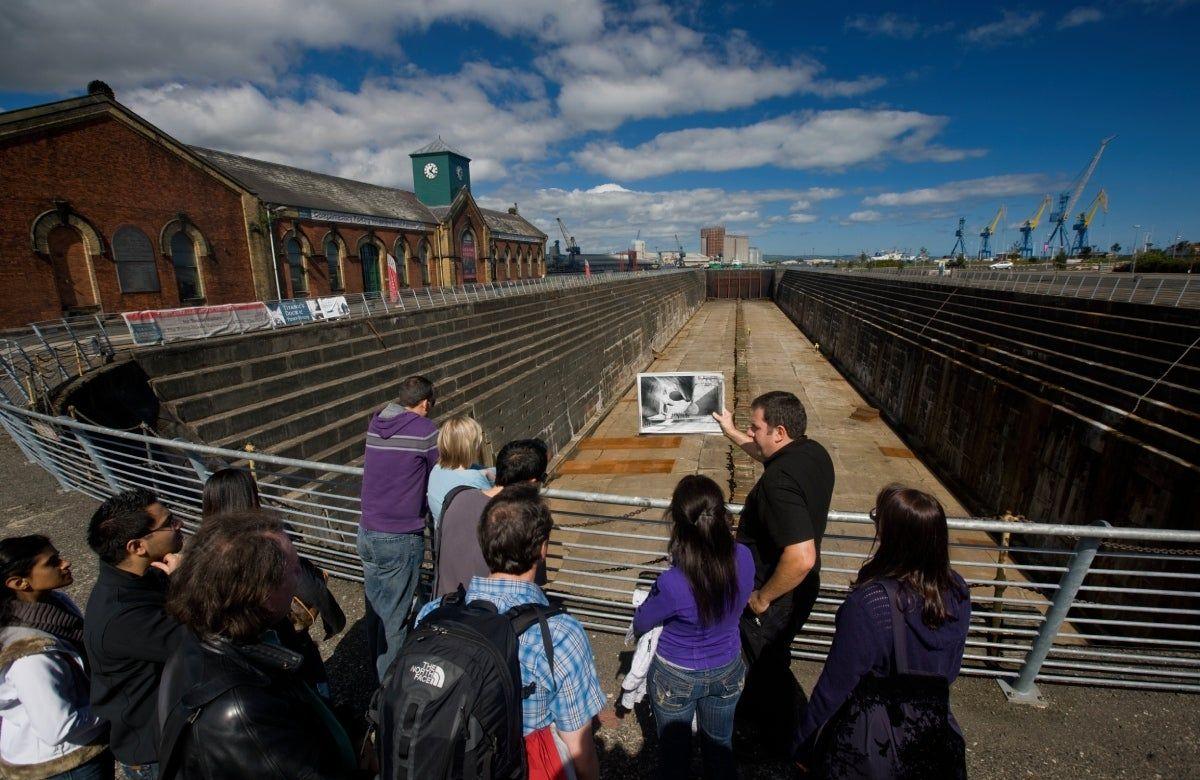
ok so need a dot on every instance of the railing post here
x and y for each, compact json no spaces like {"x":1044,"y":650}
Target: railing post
{"x":1157,"y":290}
{"x":38,"y":452}
{"x":1025,"y":690}
{"x":1182,"y":290}
{"x":202,"y":472}
{"x":8,"y":426}
{"x":98,"y":461}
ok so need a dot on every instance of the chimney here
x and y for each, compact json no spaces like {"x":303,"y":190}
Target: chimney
{"x":512,"y":209}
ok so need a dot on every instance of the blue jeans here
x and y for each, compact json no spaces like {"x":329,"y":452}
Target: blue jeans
{"x":676,"y":694}
{"x":99,"y":768}
{"x":141,"y":771}
{"x":391,"y":567}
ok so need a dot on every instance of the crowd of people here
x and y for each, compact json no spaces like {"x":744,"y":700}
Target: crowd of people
{"x":196,"y":660}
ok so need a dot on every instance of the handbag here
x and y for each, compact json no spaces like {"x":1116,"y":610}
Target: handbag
{"x":897,"y":726}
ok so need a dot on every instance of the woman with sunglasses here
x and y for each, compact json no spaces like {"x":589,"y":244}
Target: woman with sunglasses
{"x":881,"y":707}
{"x":49,"y":729}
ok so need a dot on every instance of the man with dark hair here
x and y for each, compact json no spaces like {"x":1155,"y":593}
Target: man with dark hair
{"x":782,"y":524}
{"x":232,"y":702}
{"x":514,"y":536}
{"x":458,"y":555}
{"x":127,"y":633}
{"x":401,"y":451}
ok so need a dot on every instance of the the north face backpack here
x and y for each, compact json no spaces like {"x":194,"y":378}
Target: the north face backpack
{"x":450,"y":705}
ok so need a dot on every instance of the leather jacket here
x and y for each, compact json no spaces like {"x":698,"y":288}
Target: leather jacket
{"x":228,"y":711}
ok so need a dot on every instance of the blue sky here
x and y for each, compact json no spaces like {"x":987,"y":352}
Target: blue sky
{"x":810,"y":126}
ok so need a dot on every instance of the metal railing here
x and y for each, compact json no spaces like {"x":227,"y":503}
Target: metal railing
{"x":35,"y":359}
{"x":1093,"y":605}
{"x":1172,"y":290}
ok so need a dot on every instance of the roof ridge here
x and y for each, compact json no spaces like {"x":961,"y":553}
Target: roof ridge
{"x":308,"y":171}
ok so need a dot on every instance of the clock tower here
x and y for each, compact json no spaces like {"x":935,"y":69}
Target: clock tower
{"x":439,"y":172}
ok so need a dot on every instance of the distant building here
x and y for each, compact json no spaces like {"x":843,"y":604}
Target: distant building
{"x":737,"y":248}
{"x":712,"y":241}
{"x":756,"y":256}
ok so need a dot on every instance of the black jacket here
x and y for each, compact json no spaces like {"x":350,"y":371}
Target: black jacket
{"x":230,"y":711}
{"x":128,"y":637}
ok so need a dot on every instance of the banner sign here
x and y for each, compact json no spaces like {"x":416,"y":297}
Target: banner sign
{"x":162,"y":326}
{"x":393,"y":279}
{"x":333,"y":308}
{"x":290,"y":312}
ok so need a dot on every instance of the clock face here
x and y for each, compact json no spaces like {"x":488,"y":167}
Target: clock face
{"x":431,"y":170}
{"x":459,"y":172}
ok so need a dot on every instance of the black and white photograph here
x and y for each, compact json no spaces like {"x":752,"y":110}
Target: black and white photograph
{"x":680,"y":401}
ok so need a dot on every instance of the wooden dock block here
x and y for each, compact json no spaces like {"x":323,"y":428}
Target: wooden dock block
{"x":631,"y":443}
{"x":897,"y":452}
{"x":661,"y":466}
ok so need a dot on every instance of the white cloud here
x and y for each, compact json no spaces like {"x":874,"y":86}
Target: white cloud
{"x":653,"y":66}
{"x":136,"y":43}
{"x":1011,"y":25}
{"x":893,"y":25}
{"x":802,"y":219}
{"x":1080,"y":16}
{"x":866,"y":215}
{"x":604,"y":218}
{"x":950,"y":192}
{"x":367,"y":133}
{"x":824,"y":140}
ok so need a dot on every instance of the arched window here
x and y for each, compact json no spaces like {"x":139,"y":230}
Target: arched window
{"x":295,"y":259}
{"x":183,"y":257}
{"x":425,"y":263}
{"x":368,"y":255}
{"x":507,"y":262}
{"x":469,"y":259}
{"x":333,"y":257}
{"x":401,"y":253}
{"x":136,"y":268}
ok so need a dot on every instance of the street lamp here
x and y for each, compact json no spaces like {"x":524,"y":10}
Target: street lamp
{"x":1133,"y":249}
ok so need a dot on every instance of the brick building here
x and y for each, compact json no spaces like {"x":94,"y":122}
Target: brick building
{"x":712,"y":241}
{"x":102,"y":211}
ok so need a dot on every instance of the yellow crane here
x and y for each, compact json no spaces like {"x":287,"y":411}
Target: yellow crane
{"x":1085,"y":221}
{"x":985,"y":235}
{"x":1030,"y":226}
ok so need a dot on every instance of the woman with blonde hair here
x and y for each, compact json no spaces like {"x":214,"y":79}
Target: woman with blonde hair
{"x":460,"y":462}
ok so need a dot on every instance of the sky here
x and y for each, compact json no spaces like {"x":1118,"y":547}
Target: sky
{"x":827,"y":128}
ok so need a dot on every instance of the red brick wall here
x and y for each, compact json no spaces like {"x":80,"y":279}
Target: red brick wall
{"x":112,"y":176}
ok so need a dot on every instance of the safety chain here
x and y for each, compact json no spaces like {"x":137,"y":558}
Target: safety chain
{"x":627,"y":566}
{"x":602,"y":520}
{"x":1112,"y":544}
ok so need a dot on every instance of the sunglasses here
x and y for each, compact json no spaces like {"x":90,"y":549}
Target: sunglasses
{"x":172,"y":523}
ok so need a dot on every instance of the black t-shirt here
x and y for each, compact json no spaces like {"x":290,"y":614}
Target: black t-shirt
{"x":789,"y":504}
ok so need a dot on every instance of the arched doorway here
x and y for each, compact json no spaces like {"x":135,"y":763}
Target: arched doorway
{"x":368,"y":255}
{"x":183,"y":258}
{"x":469,"y":258}
{"x":72,"y":271}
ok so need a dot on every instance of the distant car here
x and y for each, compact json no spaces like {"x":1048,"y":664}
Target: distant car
{"x":1001,"y":265}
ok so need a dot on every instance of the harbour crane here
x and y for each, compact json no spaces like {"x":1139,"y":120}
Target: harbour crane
{"x":572,"y":247}
{"x":960,"y":246}
{"x":679,"y":261}
{"x":1085,"y":221}
{"x":1068,"y":198}
{"x":1029,"y":226}
{"x":985,"y":236}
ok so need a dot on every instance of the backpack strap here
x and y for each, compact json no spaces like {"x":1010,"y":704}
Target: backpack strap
{"x":435,"y":536}
{"x":524,"y":616}
{"x":899,"y":640}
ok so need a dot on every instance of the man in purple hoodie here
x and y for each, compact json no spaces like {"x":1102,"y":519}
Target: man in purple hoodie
{"x":401,"y":451}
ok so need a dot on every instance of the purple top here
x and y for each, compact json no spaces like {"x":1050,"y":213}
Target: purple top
{"x":401,"y":451}
{"x":684,"y":641}
{"x":862,"y":645}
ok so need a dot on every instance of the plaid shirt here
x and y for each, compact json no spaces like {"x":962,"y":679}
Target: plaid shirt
{"x":573,"y":697}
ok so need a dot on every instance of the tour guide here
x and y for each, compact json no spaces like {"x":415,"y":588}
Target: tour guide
{"x":782,"y":524}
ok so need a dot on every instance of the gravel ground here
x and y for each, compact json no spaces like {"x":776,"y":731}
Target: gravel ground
{"x":1085,"y":732}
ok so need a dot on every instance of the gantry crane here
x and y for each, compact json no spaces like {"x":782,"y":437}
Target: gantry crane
{"x":679,"y":243}
{"x":1085,"y":221}
{"x":1029,"y":226}
{"x":572,"y":247}
{"x":960,"y":246}
{"x":1068,"y":199}
{"x":985,"y":236}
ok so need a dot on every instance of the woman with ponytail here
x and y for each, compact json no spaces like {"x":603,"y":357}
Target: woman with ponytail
{"x":698,"y":669}
{"x":48,"y":728}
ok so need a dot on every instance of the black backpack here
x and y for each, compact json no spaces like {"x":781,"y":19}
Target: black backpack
{"x":450,"y":705}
